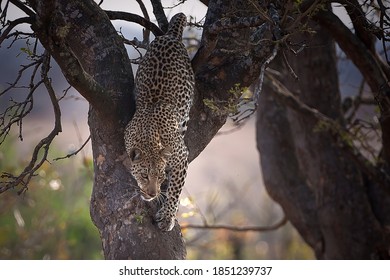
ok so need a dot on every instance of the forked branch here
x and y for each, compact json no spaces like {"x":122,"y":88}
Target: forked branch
{"x":117,"y":15}
{"x":342,"y":136}
{"x":41,"y":150}
{"x":18,"y":110}
{"x":12,"y":25}
{"x":158,"y":11}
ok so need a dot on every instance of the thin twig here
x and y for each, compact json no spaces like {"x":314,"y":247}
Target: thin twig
{"x":12,"y":25}
{"x":289,"y":68}
{"x":198,"y":210}
{"x":75,"y":152}
{"x":41,"y":150}
{"x":18,"y":35}
{"x":17,"y":111}
{"x":20,"y":74}
{"x":180,"y":2}
{"x":384,"y":17}
{"x":65,"y":92}
{"x":237,"y":126}
{"x":259,"y":86}
{"x":356,"y":103}
{"x":3,"y":12}
{"x":276,"y":226}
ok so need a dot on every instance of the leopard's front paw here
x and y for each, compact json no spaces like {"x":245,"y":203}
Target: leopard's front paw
{"x":165,"y":220}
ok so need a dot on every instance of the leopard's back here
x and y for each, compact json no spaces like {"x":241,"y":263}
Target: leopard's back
{"x":154,"y":138}
{"x":165,"y":74}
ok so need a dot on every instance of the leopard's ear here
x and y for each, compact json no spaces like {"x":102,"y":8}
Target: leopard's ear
{"x":135,"y":155}
{"x":166,"y":153}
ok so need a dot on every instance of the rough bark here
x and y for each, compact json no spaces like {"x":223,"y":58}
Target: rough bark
{"x":323,"y":192}
{"x":359,"y":47}
{"x":375,"y":72}
{"x":223,"y":60}
{"x":82,"y":40}
{"x":338,"y":208}
{"x":81,"y":29}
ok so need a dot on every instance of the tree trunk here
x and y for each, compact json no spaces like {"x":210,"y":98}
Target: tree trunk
{"x":80,"y":37}
{"x":324,"y":193}
{"x":334,"y":201}
{"x":125,"y":223}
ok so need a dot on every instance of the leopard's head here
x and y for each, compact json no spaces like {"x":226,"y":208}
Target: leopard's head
{"x":149,"y":170}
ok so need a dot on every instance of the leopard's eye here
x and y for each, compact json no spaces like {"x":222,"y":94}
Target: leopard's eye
{"x":144,"y":175}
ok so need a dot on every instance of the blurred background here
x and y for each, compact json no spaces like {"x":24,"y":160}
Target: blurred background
{"x":51,"y":220}
{"x":224,"y":184}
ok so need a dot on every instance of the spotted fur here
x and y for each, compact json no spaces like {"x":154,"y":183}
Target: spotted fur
{"x":154,"y":137}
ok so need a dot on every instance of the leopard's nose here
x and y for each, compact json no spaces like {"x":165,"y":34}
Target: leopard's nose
{"x":152,"y":189}
{"x":152,"y":193}
{"x":147,"y":196}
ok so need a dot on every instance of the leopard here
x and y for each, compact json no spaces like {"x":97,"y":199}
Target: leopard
{"x":154,"y":137}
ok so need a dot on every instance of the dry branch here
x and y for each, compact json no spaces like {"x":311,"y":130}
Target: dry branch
{"x":23,"y":7}
{"x":158,"y":11}
{"x":41,"y":150}
{"x":117,"y":15}
{"x":276,"y":226}
{"x":146,"y":31}
{"x":341,"y":135}
{"x":12,"y":25}
{"x":17,"y":111}
{"x":75,"y":152}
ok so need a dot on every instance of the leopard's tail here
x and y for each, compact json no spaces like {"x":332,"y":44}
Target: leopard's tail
{"x":176,"y":26}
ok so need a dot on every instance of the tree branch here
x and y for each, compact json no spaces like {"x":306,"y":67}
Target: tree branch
{"x":83,"y":57}
{"x":117,"y":15}
{"x":384,"y":19}
{"x":209,"y":41}
{"x":342,"y":136}
{"x":205,"y":2}
{"x":84,"y":83}
{"x":354,"y":49}
{"x":35,"y":163}
{"x":223,"y":60}
{"x":146,"y":31}
{"x":16,"y":112}
{"x":75,"y":152}
{"x":366,"y":31}
{"x":143,"y":9}
{"x":368,"y":65}
{"x":23,"y":7}
{"x":237,"y":23}
{"x":278,"y":225}
{"x":363,"y":29}
{"x":158,"y":11}
{"x":12,"y":25}
{"x":210,"y":34}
